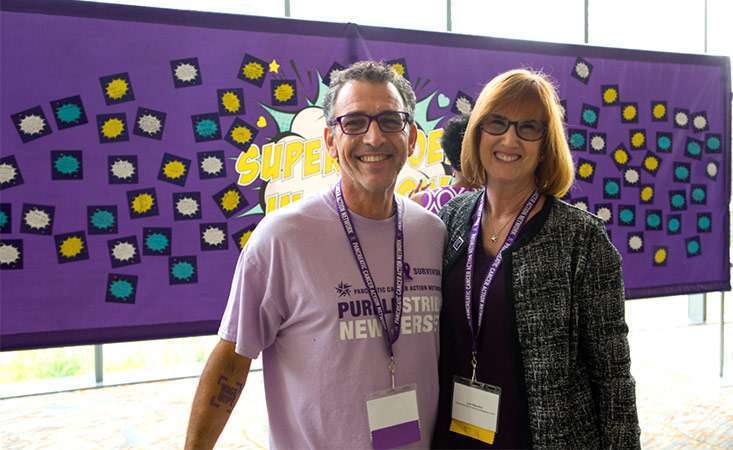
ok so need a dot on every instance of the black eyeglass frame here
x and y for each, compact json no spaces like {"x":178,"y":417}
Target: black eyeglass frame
{"x":515,"y":123}
{"x":405,"y":117}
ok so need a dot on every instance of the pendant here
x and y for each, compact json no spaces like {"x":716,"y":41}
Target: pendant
{"x":493,"y":238}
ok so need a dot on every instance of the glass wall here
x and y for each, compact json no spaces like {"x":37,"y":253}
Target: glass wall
{"x":521,"y":19}
{"x":649,"y":25}
{"x":427,"y":15}
{"x":663,"y":25}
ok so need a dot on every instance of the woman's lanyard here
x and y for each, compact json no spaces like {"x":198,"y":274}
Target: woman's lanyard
{"x":468,"y":280}
{"x":390,"y":334}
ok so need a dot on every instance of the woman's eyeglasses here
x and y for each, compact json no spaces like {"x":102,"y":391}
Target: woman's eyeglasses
{"x":528,"y":130}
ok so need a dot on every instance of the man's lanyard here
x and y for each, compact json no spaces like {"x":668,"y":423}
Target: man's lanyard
{"x":390,"y":334}
{"x":468,"y":280}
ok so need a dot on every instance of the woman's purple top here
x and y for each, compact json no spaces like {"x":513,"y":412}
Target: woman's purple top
{"x":499,"y":356}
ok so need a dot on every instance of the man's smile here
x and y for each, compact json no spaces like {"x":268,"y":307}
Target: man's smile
{"x":373,"y":158}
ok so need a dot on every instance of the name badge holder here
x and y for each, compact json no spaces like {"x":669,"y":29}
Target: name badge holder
{"x":394,"y":420}
{"x":475,"y":408}
{"x":392,"y":414}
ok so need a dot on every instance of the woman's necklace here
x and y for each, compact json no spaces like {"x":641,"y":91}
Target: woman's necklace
{"x":495,"y":235}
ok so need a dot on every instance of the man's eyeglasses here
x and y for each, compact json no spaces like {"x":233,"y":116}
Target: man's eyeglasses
{"x":359,"y":123}
{"x":528,"y":130}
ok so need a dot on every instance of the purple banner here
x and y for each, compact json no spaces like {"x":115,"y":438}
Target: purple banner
{"x":140,"y":147}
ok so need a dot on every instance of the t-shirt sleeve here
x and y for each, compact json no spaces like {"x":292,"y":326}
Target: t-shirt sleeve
{"x":255,"y":309}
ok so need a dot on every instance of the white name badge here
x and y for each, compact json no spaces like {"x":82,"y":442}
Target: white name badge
{"x":394,"y":420}
{"x":475,"y":410}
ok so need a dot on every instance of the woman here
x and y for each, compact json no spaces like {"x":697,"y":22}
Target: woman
{"x":451,"y":141}
{"x":533,"y":297}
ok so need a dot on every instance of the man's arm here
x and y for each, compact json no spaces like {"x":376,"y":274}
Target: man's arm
{"x":221,"y":383}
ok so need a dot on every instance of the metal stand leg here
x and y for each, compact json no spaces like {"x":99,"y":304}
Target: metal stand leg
{"x":696,"y":309}
{"x":98,"y":364}
{"x":722,"y":334}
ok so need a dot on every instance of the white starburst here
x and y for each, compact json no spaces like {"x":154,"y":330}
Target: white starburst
{"x":8,"y":172}
{"x":582,"y":70}
{"x":37,"y":219}
{"x":635,"y":242}
{"x":123,"y":169}
{"x":9,"y":254}
{"x":186,"y":72}
{"x":700,"y":122}
{"x":213,"y":236}
{"x":463,"y":105}
{"x":187,"y":206}
{"x":123,"y":251}
{"x":681,"y":119}
{"x":604,"y":213}
{"x":581,"y":205}
{"x":711,"y":169}
{"x":149,"y":124}
{"x":212,"y":165}
{"x":631,"y":175}
{"x":33,"y":124}
{"x":597,"y":143}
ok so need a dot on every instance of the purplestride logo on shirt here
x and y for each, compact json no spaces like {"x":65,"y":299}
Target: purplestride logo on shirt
{"x":420,"y":306}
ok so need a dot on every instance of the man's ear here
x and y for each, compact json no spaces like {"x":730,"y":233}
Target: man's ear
{"x":328,"y":140}
{"x":412,"y":139}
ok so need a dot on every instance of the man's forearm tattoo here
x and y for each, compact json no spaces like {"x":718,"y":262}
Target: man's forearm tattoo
{"x":227,"y":395}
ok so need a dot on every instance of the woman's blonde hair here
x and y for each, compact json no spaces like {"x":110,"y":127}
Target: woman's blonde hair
{"x":515,"y":88}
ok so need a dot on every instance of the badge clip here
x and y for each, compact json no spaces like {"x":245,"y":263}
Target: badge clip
{"x":474,"y":364}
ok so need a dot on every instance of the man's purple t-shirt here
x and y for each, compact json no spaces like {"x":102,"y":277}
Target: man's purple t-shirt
{"x":298,"y":297}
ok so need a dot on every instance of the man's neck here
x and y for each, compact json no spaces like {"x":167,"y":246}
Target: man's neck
{"x":371,"y":205}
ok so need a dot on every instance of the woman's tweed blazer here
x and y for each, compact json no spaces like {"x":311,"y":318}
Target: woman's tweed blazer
{"x":565,"y":284}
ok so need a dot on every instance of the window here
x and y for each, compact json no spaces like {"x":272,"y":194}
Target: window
{"x":650,"y":25}
{"x":250,"y":7}
{"x":427,"y":15}
{"x":521,"y":19}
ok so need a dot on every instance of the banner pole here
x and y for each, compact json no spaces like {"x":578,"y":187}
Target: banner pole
{"x":585,"y":22}
{"x":98,"y":364}
{"x":448,"y":15}
{"x":722,"y":334}
{"x":706,"y":27}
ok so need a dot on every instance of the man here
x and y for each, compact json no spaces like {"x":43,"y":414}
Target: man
{"x":317,"y":287}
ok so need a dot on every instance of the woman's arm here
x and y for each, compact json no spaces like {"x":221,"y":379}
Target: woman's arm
{"x":599,"y":292}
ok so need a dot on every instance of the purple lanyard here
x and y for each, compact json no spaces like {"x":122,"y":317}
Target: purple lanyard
{"x":390,"y":335}
{"x":468,"y":280}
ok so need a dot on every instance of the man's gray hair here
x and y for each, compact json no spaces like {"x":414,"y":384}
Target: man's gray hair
{"x":372,"y":71}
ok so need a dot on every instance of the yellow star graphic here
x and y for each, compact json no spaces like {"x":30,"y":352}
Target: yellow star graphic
{"x":274,"y":66}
